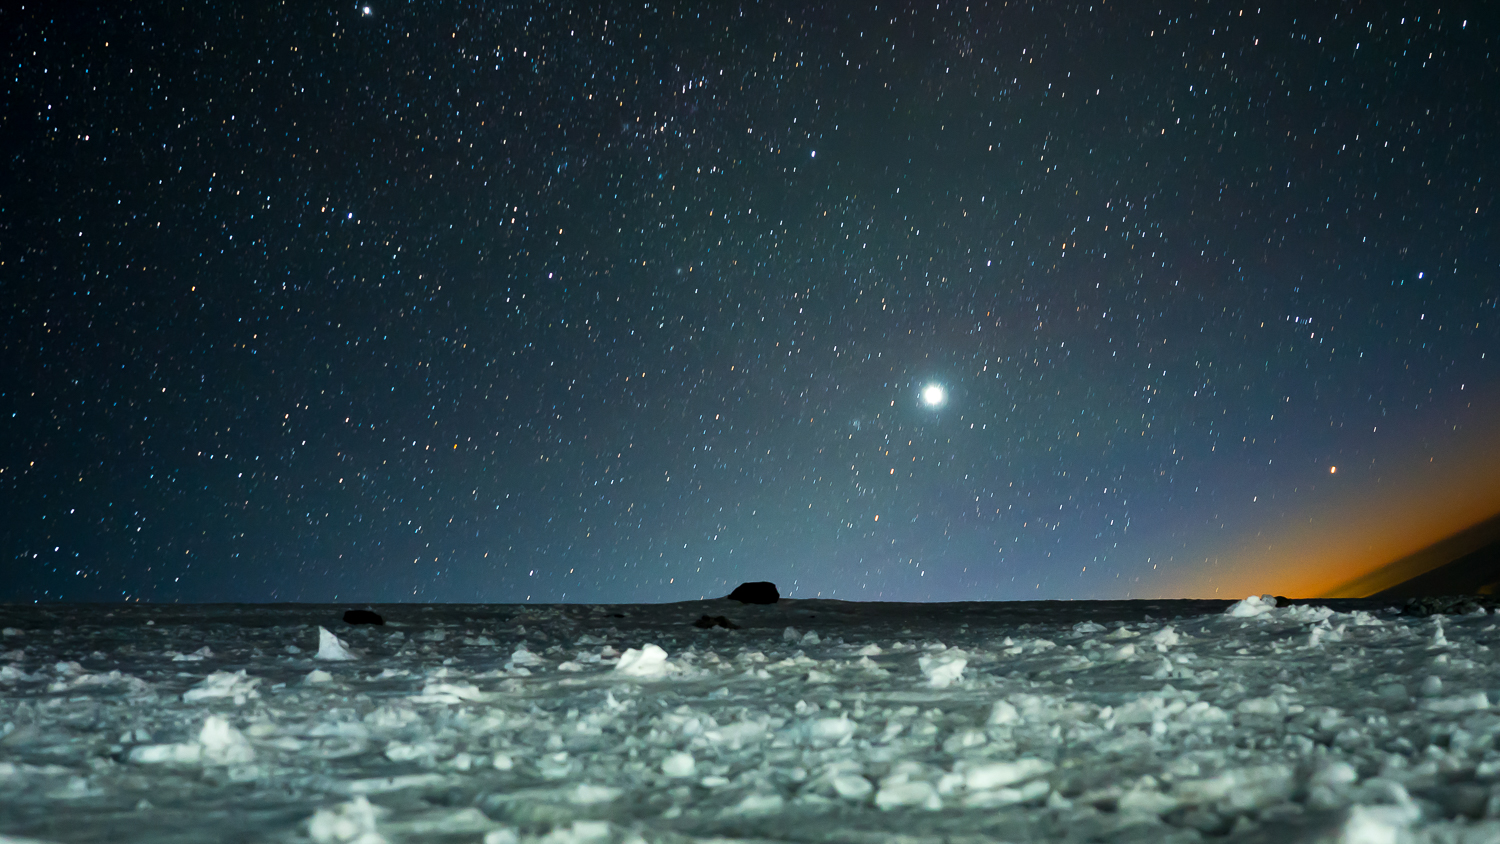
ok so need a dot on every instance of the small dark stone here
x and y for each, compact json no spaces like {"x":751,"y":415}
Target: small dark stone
{"x":619,"y":615}
{"x":759,"y":592}
{"x":707,"y":622}
{"x":362,"y":617}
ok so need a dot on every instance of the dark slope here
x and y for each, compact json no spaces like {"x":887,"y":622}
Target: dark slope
{"x":1466,"y":563}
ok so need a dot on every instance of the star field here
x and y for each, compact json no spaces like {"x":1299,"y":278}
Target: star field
{"x":449,"y":301}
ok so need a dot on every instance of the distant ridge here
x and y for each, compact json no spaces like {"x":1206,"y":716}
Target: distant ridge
{"x":1466,"y":563}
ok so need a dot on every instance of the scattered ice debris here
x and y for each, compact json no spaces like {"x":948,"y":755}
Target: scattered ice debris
{"x":1089,"y":727}
{"x":331,"y":647}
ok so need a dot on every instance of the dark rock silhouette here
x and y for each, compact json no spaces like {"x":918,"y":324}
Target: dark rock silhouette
{"x":759,"y":592}
{"x":707,"y":622}
{"x":1448,"y":605}
{"x":362,"y":617}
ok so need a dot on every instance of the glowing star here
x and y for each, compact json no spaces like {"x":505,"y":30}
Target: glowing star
{"x":367,"y":10}
{"x":933,"y":395}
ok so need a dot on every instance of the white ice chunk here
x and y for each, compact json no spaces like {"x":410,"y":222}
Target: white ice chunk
{"x":578,"y":832}
{"x":1009,"y":796}
{"x":1378,"y":824}
{"x":852,"y":787}
{"x":1251,"y":607}
{"x":318,"y":675}
{"x":1003,"y":713}
{"x":440,"y":692}
{"x":678,"y":765}
{"x":167,"y":754}
{"x":999,"y":774}
{"x":1439,"y":639}
{"x":1459,"y":703}
{"x":223,"y":744}
{"x":827,"y":731}
{"x":791,"y":635}
{"x":1240,"y":789}
{"x":1084,"y":628}
{"x":347,"y":823}
{"x":330,"y":647}
{"x":756,"y":803}
{"x":911,"y":793}
{"x":1309,"y":614}
{"x":943,"y":668}
{"x":223,"y":684}
{"x":218,"y":743}
{"x":649,"y":661}
{"x":1165,"y":637}
{"x":524,"y":658}
{"x":587,"y":794}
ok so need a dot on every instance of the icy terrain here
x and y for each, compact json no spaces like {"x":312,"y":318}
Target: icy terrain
{"x":1169,"y":721}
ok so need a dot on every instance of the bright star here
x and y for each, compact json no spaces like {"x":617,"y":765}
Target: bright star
{"x":933,"y":395}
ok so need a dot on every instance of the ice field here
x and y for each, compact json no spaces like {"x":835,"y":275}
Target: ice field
{"x":1169,"y":721}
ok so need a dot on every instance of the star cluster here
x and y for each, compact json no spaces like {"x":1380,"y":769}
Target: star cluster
{"x":454,"y":301}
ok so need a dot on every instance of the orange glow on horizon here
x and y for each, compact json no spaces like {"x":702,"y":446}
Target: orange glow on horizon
{"x":1312,"y":551}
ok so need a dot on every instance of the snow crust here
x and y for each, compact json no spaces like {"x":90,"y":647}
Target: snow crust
{"x":816,"y":721}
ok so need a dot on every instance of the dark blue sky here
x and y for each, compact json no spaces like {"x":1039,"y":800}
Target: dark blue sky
{"x":442,"y":301}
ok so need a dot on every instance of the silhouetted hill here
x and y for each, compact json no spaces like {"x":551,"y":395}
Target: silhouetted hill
{"x":1466,"y":563}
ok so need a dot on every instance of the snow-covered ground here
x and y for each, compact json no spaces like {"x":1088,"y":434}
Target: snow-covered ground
{"x":1168,"y":721}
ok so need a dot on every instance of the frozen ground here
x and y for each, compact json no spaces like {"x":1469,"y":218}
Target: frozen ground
{"x":1167,"y":721}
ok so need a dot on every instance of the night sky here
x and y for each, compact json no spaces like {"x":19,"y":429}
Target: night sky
{"x":465,"y":302}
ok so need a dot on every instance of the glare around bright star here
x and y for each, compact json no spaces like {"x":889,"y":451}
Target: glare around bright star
{"x":933,"y":395}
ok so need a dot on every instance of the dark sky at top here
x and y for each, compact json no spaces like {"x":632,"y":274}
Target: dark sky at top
{"x":467,"y":302}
